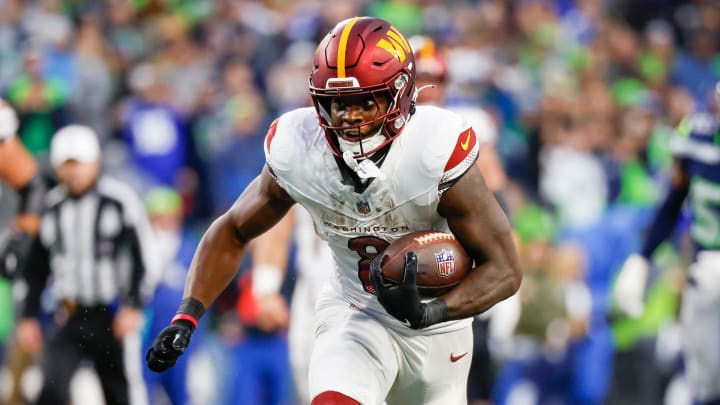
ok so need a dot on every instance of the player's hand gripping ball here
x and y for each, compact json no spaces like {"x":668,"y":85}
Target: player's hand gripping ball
{"x":441,"y":261}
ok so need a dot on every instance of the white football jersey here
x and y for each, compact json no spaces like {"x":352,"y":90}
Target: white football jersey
{"x":434,"y":150}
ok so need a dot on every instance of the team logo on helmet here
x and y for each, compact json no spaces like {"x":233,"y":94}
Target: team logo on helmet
{"x":445,"y":263}
{"x":395,"y":44}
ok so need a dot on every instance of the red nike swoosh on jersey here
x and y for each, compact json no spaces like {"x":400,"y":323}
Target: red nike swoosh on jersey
{"x":453,"y":359}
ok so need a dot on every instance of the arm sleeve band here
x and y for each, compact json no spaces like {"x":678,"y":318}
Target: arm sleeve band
{"x":190,"y":310}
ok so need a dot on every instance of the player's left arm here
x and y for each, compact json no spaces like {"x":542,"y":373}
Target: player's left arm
{"x":479,"y":224}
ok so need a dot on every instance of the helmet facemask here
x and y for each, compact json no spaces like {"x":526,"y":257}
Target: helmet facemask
{"x":388,"y":124}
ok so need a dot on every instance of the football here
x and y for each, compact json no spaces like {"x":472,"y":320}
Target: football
{"x":442,"y":261}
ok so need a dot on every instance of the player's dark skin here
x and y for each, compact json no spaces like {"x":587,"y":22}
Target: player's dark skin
{"x":472,"y":213}
{"x":350,"y":111}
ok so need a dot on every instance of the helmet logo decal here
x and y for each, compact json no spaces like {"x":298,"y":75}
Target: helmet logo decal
{"x":342,"y":48}
{"x":395,"y":44}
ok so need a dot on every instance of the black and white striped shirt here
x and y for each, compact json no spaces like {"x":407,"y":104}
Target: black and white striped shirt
{"x":94,"y":249}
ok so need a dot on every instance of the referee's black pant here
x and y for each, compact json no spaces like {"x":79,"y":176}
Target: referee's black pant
{"x":87,"y":334}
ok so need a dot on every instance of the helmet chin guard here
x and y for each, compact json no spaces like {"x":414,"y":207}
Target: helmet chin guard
{"x":359,"y":147}
{"x":364,"y":56}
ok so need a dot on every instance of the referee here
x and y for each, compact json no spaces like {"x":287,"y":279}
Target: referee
{"x":92,"y":254}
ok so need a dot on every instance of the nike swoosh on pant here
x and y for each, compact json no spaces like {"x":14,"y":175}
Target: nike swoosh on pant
{"x":453,"y":358}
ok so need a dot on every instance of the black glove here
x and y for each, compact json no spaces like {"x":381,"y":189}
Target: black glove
{"x":14,"y":254}
{"x":169,"y":344}
{"x":403,"y":300}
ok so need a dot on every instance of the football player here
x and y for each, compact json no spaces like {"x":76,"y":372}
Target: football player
{"x":696,"y":178}
{"x":19,"y":170}
{"x":370,"y":167}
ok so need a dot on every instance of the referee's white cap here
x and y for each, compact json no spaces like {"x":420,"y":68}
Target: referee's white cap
{"x":74,"y":142}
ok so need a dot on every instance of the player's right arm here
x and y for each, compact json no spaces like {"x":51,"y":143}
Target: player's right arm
{"x":216,"y":260}
{"x":259,"y":207}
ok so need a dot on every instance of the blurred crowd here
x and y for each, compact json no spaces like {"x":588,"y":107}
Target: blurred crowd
{"x":583,"y":96}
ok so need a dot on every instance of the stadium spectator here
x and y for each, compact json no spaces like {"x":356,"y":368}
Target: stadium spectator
{"x":175,"y":246}
{"x":555,"y":307}
{"x":39,"y":101}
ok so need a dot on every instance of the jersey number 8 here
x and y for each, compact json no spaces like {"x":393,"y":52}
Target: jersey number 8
{"x":367,"y":247}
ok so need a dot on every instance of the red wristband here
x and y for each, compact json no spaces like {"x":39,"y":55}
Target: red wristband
{"x":185,"y":317}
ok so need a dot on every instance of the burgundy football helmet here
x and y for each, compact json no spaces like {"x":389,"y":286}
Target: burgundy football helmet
{"x":364,"y":56}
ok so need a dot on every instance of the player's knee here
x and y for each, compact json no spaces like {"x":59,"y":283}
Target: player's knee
{"x":333,"y":398}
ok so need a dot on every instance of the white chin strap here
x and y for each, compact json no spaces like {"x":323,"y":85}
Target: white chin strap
{"x":367,"y":144}
{"x":365,"y":168}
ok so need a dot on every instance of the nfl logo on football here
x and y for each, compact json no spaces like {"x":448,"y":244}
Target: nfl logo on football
{"x":445,"y":263}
